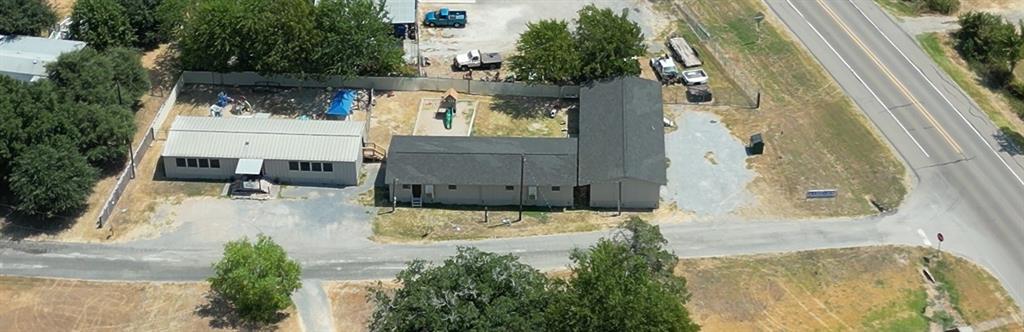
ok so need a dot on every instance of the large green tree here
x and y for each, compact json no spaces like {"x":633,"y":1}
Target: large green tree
{"x":989,"y":40}
{"x":104,"y":132}
{"x":546,"y":53}
{"x":143,"y":17}
{"x":25,"y":17}
{"x":623,"y":284}
{"x":210,"y":38}
{"x":107,"y":78}
{"x":355,"y":38}
{"x":51,"y":180}
{"x":608,"y":44}
{"x":101,"y":23}
{"x":257,"y":278}
{"x":279,"y":35}
{"x":472,"y":291}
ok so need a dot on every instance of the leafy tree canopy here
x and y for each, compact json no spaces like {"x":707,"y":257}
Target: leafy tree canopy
{"x":608,"y":44}
{"x":354,"y":38}
{"x":93,"y":77}
{"x":101,"y":23}
{"x":546,"y":53}
{"x":257,"y":278}
{"x":991,"y":41}
{"x":51,"y":180}
{"x":472,"y":291}
{"x":25,"y":17}
{"x":143,"y":17}
{"x":623,"y":285}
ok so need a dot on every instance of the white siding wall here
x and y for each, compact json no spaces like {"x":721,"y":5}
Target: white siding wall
{"x":344,"y":174}
{"x":635,"y":195}
{"x":225,"y":172}
{"x":490,"y":195}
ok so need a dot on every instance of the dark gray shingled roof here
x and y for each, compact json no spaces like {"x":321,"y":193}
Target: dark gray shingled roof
{"x":481,"y":160}
{"x":621,"y":132}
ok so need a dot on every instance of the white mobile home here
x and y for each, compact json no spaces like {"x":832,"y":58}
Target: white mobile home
{"x":287,"y":151}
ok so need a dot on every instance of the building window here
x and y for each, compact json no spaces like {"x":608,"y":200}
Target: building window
{"x":293,"y":165}
{"x":193,"y":163}
{"x":317,"y":167}
{"x":304,"y":166}
{"x":214,"y":163}
{"x":556,"y":188}
{"x":510,"y":187}
{"x":405,"y":186}
{"x":452,"y":187}
{"x":197,"y":163}
{"x":204,"y":163}
{"x":308,"y":166}
{"x":180,"y":162}
{"x":328,"y":167}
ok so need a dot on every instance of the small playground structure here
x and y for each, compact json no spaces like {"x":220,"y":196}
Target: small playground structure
{"x":447,"y":108}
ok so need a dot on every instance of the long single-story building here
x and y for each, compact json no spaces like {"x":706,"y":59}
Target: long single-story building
{"x":491,"y":171}
{"x":281,"y":150}
{"x":24,"y":58}
{"x":622,"y":143}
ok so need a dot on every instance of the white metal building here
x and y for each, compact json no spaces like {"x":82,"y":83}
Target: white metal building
{"x":24,"y":58}
{"x":286,"y":151}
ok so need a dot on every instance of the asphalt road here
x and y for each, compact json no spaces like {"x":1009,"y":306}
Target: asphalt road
{"x":952,"y":148}
{"x":964,"y":185}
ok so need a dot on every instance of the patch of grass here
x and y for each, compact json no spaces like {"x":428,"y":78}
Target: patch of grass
{"x":972,"y":291}
{"x":815,"y":136}
{"x":506,"y":116}
{"x":467,"y":223}
{"x":902,"y":315}
{"x":932,"y":44}
{"x":901,"y":7}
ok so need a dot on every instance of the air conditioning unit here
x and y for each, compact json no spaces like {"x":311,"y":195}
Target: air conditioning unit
{"x":428,"y":190}
{"x":532,"y":191}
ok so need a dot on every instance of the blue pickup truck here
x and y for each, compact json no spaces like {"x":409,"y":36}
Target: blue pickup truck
{"x":445,"y":18}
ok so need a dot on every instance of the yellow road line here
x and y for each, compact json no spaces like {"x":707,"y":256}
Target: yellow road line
{"x":903,"y":89}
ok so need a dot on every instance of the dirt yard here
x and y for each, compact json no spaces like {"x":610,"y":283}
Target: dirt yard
{"x":464,"y":223}
{"x":34,"y":304}
{"x":801,"y":105}
{"x":395,"y":114}
{"x":865,"y":289}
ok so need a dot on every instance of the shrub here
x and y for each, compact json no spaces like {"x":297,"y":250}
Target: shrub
{"x":946,"y":7}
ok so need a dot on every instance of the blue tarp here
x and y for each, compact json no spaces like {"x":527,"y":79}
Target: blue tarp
{"x":341,"y":104}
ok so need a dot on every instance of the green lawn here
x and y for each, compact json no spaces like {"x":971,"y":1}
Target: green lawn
{"x":932,"y":44}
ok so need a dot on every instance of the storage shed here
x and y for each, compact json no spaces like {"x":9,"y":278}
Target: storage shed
{"x":282,"y":150}
{"x":491,"y":171}
{"x":622,"y":143}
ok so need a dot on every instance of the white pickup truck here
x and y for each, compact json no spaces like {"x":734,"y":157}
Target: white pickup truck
{"x":477,"y":60}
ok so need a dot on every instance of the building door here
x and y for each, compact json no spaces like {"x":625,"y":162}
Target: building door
{"x":417,"y":191}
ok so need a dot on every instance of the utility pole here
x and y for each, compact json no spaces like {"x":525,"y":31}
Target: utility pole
{"x":131,"y":157}
{"x":522,"y":174}
{"x":394,"y":194}
{"x":619,"y":201}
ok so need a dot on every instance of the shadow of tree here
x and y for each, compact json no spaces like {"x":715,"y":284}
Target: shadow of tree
{"x":16,"y":226}
{"x":1010,"y":141}
{"x":222,"y":315}
{"x":519,"y":107}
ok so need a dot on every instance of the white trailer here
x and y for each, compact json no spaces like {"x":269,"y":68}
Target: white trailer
{"x":684,"y":53}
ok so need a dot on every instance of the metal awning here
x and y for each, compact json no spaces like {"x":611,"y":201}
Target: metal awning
{"x":249,"y":167}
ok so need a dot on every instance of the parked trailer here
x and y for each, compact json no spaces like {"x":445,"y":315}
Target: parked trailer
{"x":684,"y":53}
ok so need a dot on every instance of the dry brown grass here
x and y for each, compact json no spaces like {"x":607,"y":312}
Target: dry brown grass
{"x":35,"y":304}
{"x":462,"y":223}
{"x":351,"y":304}
{"x":62,"y":7}
{"x":815,"y":137}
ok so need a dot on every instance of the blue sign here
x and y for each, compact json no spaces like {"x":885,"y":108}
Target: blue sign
{"x":822,"y":193}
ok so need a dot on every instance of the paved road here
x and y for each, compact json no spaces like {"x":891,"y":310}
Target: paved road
{"x":964,"y":185}
{"x":954,"y":151}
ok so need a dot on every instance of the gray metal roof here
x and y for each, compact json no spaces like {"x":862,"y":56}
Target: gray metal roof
{"x":401,"y":11}
{"x":276,"y":139}
{"x":25,"y":58}
{"x":621,"y":134}
{"x":481,"y":160}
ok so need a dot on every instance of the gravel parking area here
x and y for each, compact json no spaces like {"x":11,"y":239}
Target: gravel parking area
{"x":495,"y":25}
{"x":708,"y":172}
